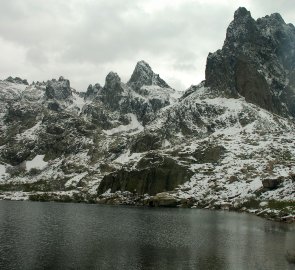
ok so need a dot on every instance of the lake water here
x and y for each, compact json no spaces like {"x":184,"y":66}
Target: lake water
{"x":79,"y":236}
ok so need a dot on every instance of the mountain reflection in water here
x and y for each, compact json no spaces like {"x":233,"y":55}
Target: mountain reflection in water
{"x":81,"y":236}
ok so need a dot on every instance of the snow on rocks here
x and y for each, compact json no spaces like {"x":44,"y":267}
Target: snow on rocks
{"x":3,"y":173}
{"x":125,"y":158}
{"x":36,"y":163}
{"x":31,"y":133}
{"x":75,"y":180}
{"x":11,"y":91}
{"x":133,"y":127}
{"x":229,"y":145}
{"x":78,"y":102}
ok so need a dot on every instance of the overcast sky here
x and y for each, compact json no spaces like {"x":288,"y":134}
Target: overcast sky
{"x":85,"y":39}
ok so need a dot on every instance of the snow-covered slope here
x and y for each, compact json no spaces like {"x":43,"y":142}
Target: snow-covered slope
{"x":144,"y":143}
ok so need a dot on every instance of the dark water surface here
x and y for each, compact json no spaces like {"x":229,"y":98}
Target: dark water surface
{"x":79,"y":236}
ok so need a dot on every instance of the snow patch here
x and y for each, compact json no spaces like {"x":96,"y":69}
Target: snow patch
{"x":36,"y":163}
{"x":126,"y":157}
{"x":75,"y":180}
{"x":31,"y":133}
{"x":166,"y":143}
{"x":78,"y":101}
{"x":134,"y":126}
{"x":2,"y":172}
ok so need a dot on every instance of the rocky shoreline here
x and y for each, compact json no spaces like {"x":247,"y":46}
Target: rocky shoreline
{"x":279,"y":211}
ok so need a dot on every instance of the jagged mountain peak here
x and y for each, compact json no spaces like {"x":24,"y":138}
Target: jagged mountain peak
{"x":92,"y":91}
{"x":112,"y":79}
{"x":277,"y":16}
{"x":242,"y":12}
{"x":58,"y":89}
{"x":62,"y":78}
{"x":17,"y":80}
{"x":144,"y":75}
{"x":242,"y":28}
{"x":257,"y":62}
{"x":111,"y":93}
{"x":144,"y":65}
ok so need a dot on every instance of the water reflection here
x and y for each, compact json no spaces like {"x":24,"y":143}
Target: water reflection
{"x":75,"y":236}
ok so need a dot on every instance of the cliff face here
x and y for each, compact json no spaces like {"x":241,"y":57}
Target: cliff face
{"x":257,"y":61}
{"x":163,"y":174}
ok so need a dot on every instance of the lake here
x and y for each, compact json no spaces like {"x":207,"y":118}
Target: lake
{"x":37,"y":235}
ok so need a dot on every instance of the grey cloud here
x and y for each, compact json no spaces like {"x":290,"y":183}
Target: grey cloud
{"x":171,"y":32}
{"x":36,"y":56}
{"x":83,"y":39}
{"x":285,"y":7}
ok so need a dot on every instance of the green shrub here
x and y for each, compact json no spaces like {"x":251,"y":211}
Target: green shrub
{"x":281,"y":205}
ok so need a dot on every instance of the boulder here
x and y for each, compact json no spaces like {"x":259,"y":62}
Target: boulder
{"x":211,"y":154}
{"x":163,"y":174}
{"x":163,"y":199}
{"x":272,"y":183}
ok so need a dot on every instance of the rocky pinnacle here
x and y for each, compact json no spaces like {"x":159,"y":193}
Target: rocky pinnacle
{"x":144,"y":75}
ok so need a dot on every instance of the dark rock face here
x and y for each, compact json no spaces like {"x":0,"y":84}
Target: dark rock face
{"x":113,"y":82}
{"x":272,"y":183}
{"x":60,"y":135}
{"x":157,"y":177}
{"x":59,"y":90}
{"x":146,"y":142}
{"x":144,"y":75}
{"x":92,"y":91}
{"x":24,"y":115}
{"x":54,"y":106}
{"x":99,"y":116}
{"x":15,"y":155}
{"x":111,"y":93}
{"x":211,"y":154}
{"x":256,"y":61}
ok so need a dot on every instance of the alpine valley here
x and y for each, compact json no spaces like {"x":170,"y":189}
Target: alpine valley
{"x":227,"y":143}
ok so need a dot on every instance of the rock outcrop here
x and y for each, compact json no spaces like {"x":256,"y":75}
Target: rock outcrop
{"x":153,"y":175}
{"x":17,"y":80}
{"x":92,"y":91}
{"x":143,"y":75}
{"x":257,"y":61}
{"x":59,"y":90}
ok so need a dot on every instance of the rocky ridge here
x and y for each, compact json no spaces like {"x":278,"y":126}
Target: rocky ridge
{"x":256,"y":62}
{"x":226,"y":143}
